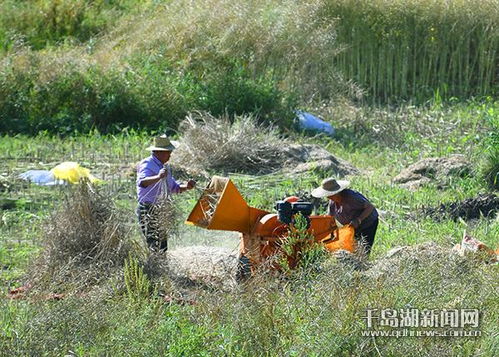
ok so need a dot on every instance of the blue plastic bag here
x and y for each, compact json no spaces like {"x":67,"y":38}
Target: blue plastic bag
{"x":310,"y":122}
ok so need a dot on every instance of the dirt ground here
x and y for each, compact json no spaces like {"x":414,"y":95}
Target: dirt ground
{"x":302,"y":158}
{"x":433,"y":170}
{"x":485,"y":204}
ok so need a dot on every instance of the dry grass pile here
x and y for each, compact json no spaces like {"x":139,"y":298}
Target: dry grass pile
{"x":167,"y":217}
{"x":184,"y":273}
{"x":412,"y":260}
{"x":219,"y":144}
{"x":202,"y":265}
{"x":435,"y":169}
{"x":84,"y":242}
{"x":216,"y":267}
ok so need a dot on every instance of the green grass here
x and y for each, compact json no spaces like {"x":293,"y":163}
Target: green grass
{"x":46,"y":23}
{"x":312,"y":313}
{"x":490,"y":165}
{"x":304,"y":317}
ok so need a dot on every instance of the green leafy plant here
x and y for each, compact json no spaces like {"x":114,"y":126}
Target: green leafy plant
{"x":299,"y":248}
{"x":138,"y":286}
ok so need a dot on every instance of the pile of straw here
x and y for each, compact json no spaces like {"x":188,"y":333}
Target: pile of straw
{"x":85,"y":241}
{"x":224,"y":145}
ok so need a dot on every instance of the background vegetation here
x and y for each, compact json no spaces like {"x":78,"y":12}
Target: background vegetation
{"x":80,"y":65}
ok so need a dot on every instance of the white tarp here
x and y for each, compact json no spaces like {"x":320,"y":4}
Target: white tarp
{"x":65,"y":172}
{"x":41,"y":177}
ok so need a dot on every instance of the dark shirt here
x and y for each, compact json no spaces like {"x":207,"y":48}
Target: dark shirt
{"x":350,"y":208}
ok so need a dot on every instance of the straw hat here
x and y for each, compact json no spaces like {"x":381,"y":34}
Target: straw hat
{"x":162,"y":143}
{"x":330,"y":187}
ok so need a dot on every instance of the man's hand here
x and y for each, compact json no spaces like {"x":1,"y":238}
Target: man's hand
{"x":151,"y":180}
{"x":162,"y":173}
{"x":191,"y":184}
{"x":355,"y":223}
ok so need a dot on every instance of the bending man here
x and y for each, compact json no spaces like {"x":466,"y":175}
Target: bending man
{"x":350,"y":207}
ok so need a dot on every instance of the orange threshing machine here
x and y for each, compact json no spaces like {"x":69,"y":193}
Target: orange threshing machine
{"x":222,"y":207}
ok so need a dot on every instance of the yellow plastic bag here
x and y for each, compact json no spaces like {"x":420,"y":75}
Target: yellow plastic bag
{"x":72,"y":172}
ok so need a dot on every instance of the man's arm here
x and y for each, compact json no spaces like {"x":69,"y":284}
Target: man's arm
{"x":368,"y":209}
{"x":151,"y":180}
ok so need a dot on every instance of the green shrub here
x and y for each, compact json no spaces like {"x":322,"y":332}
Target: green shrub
{"x":167,"y":95}
{"x":72,"y":100}
{"x":138,"y":286}
{"x":235,"y":92}
{"x":300,"y":248}
{"x":41,"y":23}
{"x":71,"y":95}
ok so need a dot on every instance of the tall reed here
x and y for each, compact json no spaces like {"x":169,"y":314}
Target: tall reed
{"x":418,"y":48}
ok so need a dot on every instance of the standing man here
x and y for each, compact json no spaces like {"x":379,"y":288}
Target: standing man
{"x":155,"y":180}
{"x":350,"y":207}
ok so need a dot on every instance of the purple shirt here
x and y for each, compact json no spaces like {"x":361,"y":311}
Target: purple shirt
{"x":352,"y":206}
{"x":150,"y":167}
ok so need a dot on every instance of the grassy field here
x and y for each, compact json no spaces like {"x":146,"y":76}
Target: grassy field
{"x":93,"y":81}
{"x":310,"y":313}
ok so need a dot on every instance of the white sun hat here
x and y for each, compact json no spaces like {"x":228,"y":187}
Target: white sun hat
{"x":162,"y":143}
{"x":330,"y":187}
